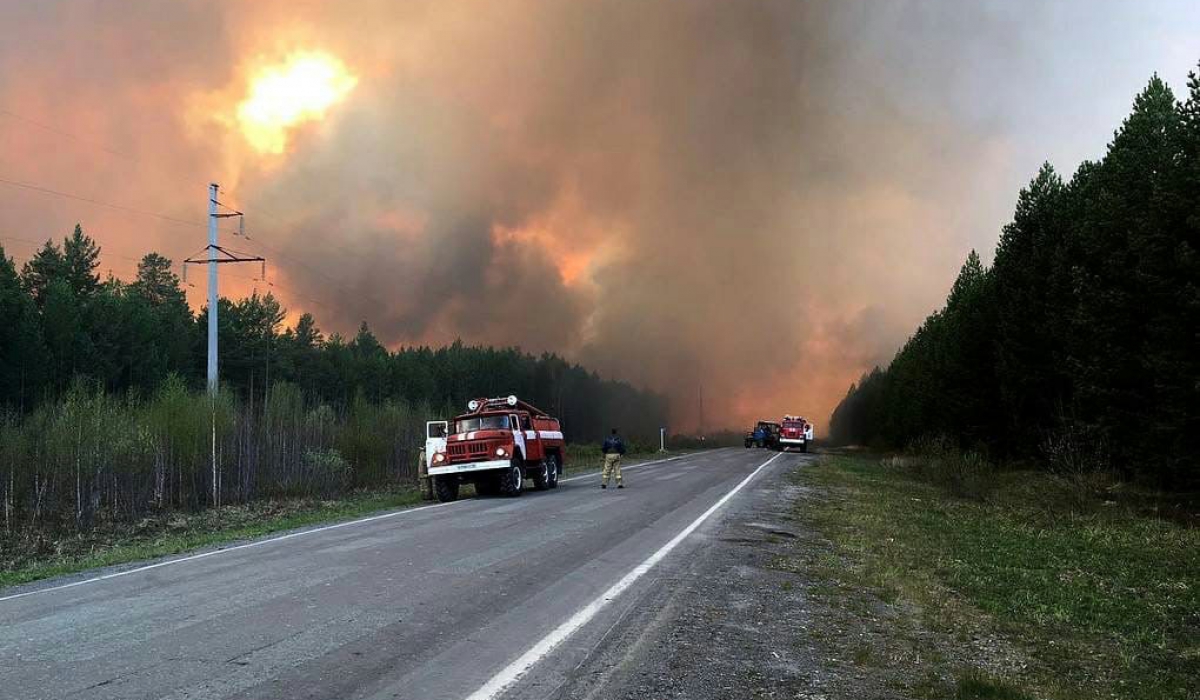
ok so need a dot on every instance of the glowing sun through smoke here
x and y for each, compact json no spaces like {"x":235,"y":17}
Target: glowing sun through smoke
{"x":301,"y":89}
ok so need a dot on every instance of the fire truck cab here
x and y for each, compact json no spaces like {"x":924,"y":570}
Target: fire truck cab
{"x":795,"y":432}
{"x":497,"y":445}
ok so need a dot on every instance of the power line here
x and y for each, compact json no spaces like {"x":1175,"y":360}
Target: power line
{"x":54,"y":130}
{"x":96,"y":145}
{"x":337,"y":283}
{"x":105,"y":255}
{"x":109,"y":205}
{"x":23,"y":240}
{"x":50,"y":191}
{"x":85,"y":141}
{"x":171,"y":219}
{"x":92,"y":143}
{"x":97,"y":202}
{"x":291,"y":291}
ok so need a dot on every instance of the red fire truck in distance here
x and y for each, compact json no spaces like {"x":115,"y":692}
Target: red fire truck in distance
{"x":795,"y":432}
{"x":496,"y":445}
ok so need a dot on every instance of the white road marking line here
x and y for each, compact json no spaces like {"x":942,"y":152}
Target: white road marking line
{"x":202,"y":555}
{"x":259,"y":543}
{"x":513,"y":672}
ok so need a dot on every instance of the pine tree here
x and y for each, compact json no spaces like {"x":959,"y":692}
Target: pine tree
{"x":1029,"y":291}
{"x":46,"y":265}
{"x":365,"y":345}
{"x":21,"y":347}
{"x":62,"y":327}
{"x":81,"y":257}
{"x":156,"y":283}
{"x":1122,"y":238}
{"x":307,"y":335}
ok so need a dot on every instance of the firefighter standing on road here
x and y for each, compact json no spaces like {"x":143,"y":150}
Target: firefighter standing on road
{"x":613,"y":448}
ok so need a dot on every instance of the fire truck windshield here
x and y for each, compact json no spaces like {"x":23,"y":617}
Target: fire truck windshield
{"x":466,"y":425}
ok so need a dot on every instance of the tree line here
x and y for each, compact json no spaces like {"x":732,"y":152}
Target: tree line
{"x":1079,"y":348}
{"x":103,"y":413}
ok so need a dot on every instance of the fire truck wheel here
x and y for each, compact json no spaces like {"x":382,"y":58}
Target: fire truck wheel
{"x":541,"y":476}
{"x":446,"y":488}
{"x":553,"y":462}
{"x":512,"y":481}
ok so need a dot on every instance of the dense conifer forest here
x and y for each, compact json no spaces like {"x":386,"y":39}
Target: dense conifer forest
{"x":103,"y":413}
{"x":1079,"y":347}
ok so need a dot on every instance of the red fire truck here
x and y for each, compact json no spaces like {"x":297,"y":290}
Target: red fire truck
{"x":497,"y":445}
{"x":795,"y":432}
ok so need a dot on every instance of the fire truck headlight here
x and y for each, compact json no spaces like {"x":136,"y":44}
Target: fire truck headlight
{"x":439,"y":457}
{"x":501,"y":452}
{"x":512,"y":400}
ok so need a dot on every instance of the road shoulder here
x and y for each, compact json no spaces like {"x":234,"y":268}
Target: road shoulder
{"x":755,"y":613}
{"x":721,"y":623}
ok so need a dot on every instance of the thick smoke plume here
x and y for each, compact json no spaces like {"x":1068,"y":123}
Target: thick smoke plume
{"x":756,"y":198}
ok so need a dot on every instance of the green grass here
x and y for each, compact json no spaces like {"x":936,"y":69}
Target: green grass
{"x":975,"y":685}
{"x":35,"y":557}
{"x":1104,"y":597}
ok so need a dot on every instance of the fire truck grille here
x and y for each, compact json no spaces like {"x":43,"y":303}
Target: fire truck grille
{"x":469,"y":449}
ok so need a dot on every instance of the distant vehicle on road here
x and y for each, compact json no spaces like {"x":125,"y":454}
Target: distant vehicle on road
{"x":795,"y":432}
{"x":764,"y":434}
{"x":497,"y":445}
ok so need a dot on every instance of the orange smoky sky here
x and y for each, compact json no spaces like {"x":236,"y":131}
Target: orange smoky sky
{"x":762,"y":199}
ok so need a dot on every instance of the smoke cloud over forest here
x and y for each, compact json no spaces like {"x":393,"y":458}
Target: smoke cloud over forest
{"x":761,"y":198}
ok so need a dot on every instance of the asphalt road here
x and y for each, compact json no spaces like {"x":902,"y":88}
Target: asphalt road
{"x":478,"y":599}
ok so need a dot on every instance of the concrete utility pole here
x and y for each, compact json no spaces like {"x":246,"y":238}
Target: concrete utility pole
{"x":212,"y":288}
{"x":216,"y":256}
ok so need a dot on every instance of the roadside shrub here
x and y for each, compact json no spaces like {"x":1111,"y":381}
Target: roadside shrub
{"x":95,"y":458}
{"x":1072,"y":452}
{"x":14,"y":447}
{"x":327,"y":470}
{"x":178,"y":426}
{"x":1079,"y":460}
{"x":963,"y":473}
{"x":381,"y":440}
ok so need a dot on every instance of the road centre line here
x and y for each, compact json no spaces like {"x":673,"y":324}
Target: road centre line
{"x":513,"y":672}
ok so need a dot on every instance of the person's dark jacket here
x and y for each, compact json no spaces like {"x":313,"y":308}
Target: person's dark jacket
{"x":613,"y":443}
